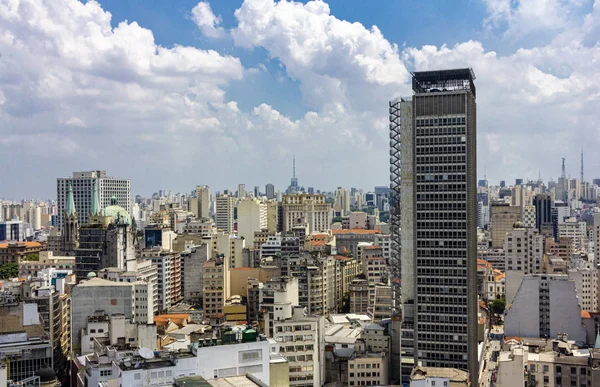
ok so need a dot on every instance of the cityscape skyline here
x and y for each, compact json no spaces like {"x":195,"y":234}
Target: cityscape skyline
{"x":323,"y":102}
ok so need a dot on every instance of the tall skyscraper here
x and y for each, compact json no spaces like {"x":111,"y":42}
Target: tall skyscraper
{"x":433,"y":181}
{"x":241,"y":191}
{"x":224,"y":213}
{"x":82,"y":186}
{"x":203,"y":201}
{"x":270,"y":191}
{"x":543,"y":212}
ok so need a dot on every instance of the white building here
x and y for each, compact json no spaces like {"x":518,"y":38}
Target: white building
{"x":252,"y":216}
{"x":575,"y":230}
{"x":301,"y":341}
{"x":529,"y":214}
{"x":225,"y":205}
{"x":544,"y":306}
{"x":82,"y":183}
{"x":585,"y":275}
{"x":524,"y":254}
{"x":110,"y":329}
{"x":96,"y":294}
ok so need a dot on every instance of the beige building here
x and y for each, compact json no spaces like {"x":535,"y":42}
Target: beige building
{"x":47,"y":260}
{"x":215,"y":277}
{"x":359,"y":296}
{"x":312,"y":210}
{"x":301,"y":341}
{"x":202,"y":202}
{"x":225,"y":205}
{"x":368,"y":369}
{"x":503,"y":217}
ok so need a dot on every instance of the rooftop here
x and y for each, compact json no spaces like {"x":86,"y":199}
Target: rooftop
{"x":455,"y":375}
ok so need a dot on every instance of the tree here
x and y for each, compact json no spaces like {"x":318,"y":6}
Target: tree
{"x":32,"y":257}
{"x":9,"y":270}
{"x":337,"y":219}
{"x":497,"y":306}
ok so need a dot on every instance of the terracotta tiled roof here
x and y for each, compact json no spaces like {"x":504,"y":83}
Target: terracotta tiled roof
{"x":585,"y":314}
{"x":26,"y":244}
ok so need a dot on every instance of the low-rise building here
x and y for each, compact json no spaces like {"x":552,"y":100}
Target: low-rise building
{"x":547,"y":362}
{"x":442,"y":377}
{"x":15,"y":252}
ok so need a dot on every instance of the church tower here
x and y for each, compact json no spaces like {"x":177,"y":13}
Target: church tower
{"x":70,"y":232}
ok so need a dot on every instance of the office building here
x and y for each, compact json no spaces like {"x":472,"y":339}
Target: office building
{"x":543,"y":212}
{"x":203,"y":201}
{"x":503,"y":217}
{"x":270,"y":191}
{"x":433,"y":156}
{"x":82,"y":184}
{"x":224,"y":213}
{"x":305,"y":209}
{"x":241,"y":193}
{"x":529,"y":217}
{"x":301,"y":340}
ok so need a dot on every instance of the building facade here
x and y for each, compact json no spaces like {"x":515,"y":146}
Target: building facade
{"x":440,"y":127}
{"x":82,"y":184}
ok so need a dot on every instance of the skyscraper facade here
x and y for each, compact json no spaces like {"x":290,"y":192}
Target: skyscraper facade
{"x":224,"y":213}
{"x":543,"y":211}
{"x":435,"y":176}
{"x":82,"y":185}
{"x":203,"y":201}
{"x":270,"y":191}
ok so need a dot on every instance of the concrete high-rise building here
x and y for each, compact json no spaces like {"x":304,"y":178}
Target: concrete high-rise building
{"x":203,"y":201}
{"x":524,"y":254}
{"x":82,"y":184}
{"x":433,"y":165}
{"x":543,"y":212}
{"x":503,"y":217}
{"x":305,"y":209}
{"x":241,"y":191}
{"x":270,"y":191}
{"x":252,"y":217}
{"x":224,"y":213}
{"x":529,"y":217}
{"x":596,"y":238}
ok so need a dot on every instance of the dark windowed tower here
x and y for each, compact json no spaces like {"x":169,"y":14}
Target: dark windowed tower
{"x":433,"y":178}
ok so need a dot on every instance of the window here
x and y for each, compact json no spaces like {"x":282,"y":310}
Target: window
{"x":249,"y":356}
{"x":105,"y":372}
{"x":137,"y":376}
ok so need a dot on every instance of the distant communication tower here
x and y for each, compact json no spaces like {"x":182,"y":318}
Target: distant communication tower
{"x":563,"y":173}
{"x":581,"y":177}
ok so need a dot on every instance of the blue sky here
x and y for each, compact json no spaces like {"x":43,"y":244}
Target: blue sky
{"x":177,"y":93}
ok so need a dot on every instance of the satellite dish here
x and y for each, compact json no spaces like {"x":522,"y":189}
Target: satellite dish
{"x":146,"y":353}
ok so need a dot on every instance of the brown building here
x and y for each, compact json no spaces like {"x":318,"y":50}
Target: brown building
{"x":14,"y":252}
{"x":503,"y":217}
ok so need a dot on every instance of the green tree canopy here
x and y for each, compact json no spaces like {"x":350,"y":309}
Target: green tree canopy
{"x":498,"y":306}
{"x":32,"y":257}
{"x":9,"y":270}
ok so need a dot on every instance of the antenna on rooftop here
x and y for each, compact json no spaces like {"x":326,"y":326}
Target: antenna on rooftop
{"x":563,"y":173}
{"x":294,"y":166}
{"x":581,"y":179}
